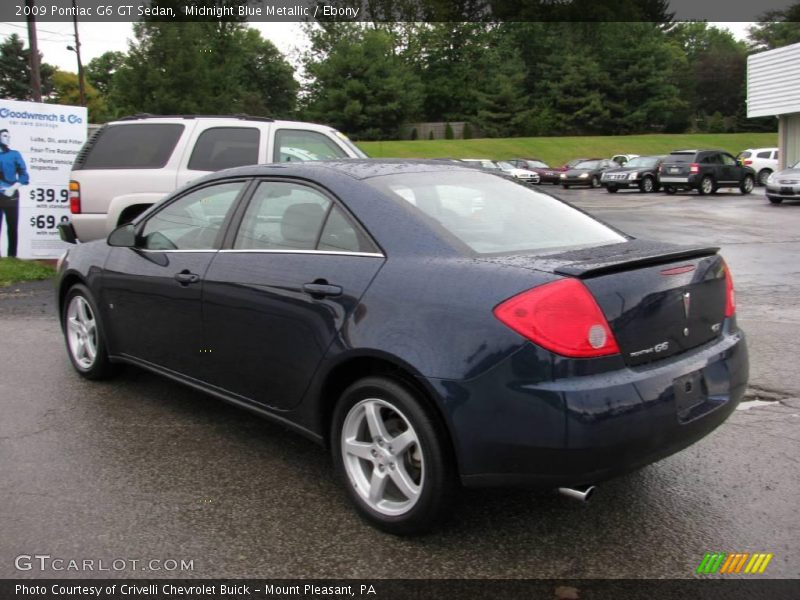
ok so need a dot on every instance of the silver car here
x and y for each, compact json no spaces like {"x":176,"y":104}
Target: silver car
{"x":784,"y":185}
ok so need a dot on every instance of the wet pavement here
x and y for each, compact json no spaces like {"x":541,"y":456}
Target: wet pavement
{"x":140,"y":468}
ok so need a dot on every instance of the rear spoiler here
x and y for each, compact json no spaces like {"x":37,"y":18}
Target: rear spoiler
{"x":624,"y":257}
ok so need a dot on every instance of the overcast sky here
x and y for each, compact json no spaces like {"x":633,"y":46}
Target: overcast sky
{"x":97,"y":38}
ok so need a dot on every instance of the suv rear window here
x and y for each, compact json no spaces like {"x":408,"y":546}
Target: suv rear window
{"x":681,"y":157}
{"x":135,"y":146}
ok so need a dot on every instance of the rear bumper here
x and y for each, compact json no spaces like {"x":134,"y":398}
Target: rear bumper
{"x":583,"y":430}
{"x":90,"y":226}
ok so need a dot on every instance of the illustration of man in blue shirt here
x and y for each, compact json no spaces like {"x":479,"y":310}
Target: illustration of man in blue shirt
{"x":13,"y":174}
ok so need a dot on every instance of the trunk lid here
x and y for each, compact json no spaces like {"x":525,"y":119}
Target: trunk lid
{"x":659,"y":299}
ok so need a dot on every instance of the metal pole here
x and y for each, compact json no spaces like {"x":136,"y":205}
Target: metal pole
{"x":81,"y":84}
{"x":36,"y":78}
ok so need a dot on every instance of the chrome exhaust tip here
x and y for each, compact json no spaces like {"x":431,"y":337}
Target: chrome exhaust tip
{"x":583,"y":493}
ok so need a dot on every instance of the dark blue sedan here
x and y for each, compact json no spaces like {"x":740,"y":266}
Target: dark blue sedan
{"x":432,"y":324}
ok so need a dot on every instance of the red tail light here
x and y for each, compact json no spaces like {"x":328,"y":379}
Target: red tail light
{"x":748,"y":162}
{"x":74,"y":197}
{"x":730,"y":294}
{"x":562,"y":317}
{"x":694,"y":168}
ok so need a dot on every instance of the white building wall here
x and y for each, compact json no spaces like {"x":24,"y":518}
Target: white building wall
{"x":773,"y":82}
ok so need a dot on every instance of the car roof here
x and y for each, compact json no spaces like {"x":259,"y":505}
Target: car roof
{"x":355,"y":168}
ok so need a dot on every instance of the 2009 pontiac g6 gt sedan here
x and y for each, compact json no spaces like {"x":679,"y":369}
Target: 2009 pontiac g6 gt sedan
{"x":433,"y":325}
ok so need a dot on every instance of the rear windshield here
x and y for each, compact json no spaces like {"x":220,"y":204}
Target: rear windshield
{"x":135,"y":146}
{"x":683,"y":157}
{"x":587,"y":164}
{"x":491,"y":214}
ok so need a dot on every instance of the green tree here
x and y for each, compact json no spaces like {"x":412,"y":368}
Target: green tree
{"x":100,"y":70}
{"x":66,"y":90}
{"x":218,"y":67}
{"x":776,"y":28}
{"x":361,"y":86}
{"x":15,"y":71}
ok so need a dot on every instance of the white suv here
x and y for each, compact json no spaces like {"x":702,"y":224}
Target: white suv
{"x":130,"y":164}
{"x":764,"y":161}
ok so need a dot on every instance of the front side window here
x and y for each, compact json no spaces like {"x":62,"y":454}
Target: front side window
{"x":192,"y":222}
{"x":491,"y":214}
{"x":727,"y":159}
{"x":300,"y":145}
{"x":224,"y":148}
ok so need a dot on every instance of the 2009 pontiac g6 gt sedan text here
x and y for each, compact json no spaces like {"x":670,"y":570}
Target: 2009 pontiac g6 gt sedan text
{"x":432,"y":324}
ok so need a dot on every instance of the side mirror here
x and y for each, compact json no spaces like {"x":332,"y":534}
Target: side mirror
{"x":123,"y":236}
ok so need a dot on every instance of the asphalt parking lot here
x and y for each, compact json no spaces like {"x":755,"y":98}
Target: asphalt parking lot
{"x":141,"y":468}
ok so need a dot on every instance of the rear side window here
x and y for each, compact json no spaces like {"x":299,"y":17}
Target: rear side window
{"x":290,"y":216}
{"x":299,"y":145}
{"x":767,"y":154}
{"x":135,"y":146}
{"x":224,"y":148}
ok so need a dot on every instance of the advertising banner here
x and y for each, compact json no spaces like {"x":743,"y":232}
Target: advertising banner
{"x":38,"y":143}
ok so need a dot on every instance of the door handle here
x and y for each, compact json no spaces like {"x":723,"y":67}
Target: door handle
{"x":321,"y":289}
{"x":186,"y":277}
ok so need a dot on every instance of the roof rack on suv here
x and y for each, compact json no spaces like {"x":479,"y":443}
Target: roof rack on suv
{"x":243,"y":117}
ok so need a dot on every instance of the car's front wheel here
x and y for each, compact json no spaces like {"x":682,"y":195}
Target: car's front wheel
{"x":83,"y":333}
{"x":392,"y":455}
{"x":647,"y":184}
{"x":670,"y":190}
{"x":747,"y":184}
{"x":763,"y":175}
{"x":612,"y":190}
{"x":595,"y":183}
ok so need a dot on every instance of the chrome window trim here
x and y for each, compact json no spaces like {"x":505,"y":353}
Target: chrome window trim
{"x":289,"y":251}
{"x":205,"y":251}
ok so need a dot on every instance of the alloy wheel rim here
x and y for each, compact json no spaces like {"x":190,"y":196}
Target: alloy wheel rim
{"x":82,"y":332}
{"x":382,"y":457}
{"x":748,"y":184}
{"x":648,"y":184}
{"x":707,"y":185}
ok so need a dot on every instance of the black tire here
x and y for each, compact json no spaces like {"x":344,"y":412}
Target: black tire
{"x":78,"y":337}
{"x":774,"y":200}
{"x":706,"y":185}
{"x":565,"y":186}
{"x":763,"y":175}
{"x":747,"y":185}
{"x":670,"y":189}
{"x":595,"y":182}
{"x":612,"y":190}
{"x":403,"y":407}
{"x":647,"y":184}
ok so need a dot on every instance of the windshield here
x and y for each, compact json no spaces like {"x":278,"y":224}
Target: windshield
{"x":643,"y":161}
{"x":506,"y":166}
{"x":587,"y":164}
{"x":346,"y":141}
{"x":796,"y":165}
{"x":536,"y":164}
{"x":491,"y":214}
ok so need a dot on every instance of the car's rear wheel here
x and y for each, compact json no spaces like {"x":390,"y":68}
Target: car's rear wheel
{"x":647,"y":185}
{"x":392,"y":455}
{"x":670,"y":189}
{"x":763,"y":175}
{"x":83,"y":333}
{"x":706,"y":186}
{"x":747,"y":184}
